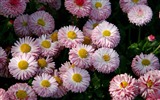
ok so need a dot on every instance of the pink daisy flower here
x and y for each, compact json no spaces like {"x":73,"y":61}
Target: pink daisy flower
{"x":41,"y":22}
{"x":100,"y":10}
{"x":47,"y":47}
{"x":76,"y":79}
{"x":3,"y":58}
{"x":140,"y":15}
{"x":105,"y":60}
{"x":81,"y":55}
{"x":123,"y":87}
{"x":21,"y":26}
{"x":70,"y":36}
{"x":154,"y":96}
{"x":149,"y":84}
{"x":151,"y":38}
{"x":23,"y":67}
{"x":26,"y":45}
{"x":105,"y":35}
{"x":12,"y":8}
{"x":81,"y":8}
{"x":56,"y":4}
{"x":45,"y":85}
{"x":21,"y":91}
{"x":3,"y":95}
{"x":46,"y":65}
{"x":143,"y":63}
{"x":126,"y":5}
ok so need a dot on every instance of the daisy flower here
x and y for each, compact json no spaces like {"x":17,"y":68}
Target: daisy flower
{"x":45,"y":85}
{"x":56,"y":4}
{"x":143,"y":63}
{"x":126,"y":5}
{"x":100,"y":10}
{"x":21,"y":91}
{"x":70,"y":36}
{"x":3,"y":94}
{"x":149,"y":84}
{"x":41,"y":22}
{"x":26,"y":45}
{"x":105,"y":60}
{"x":140,"y":15}
{"x":123,"y":87}
{"x":23,"y":67}
{"x":47,"y":47}
{"x":3,"y":58}
{"x":105,"y":35}
{"x":81,"y":55}
{"x":80,"y":8}
{"x":46,"y":65}
{"x":21,"y":25}
{"x":151,"y":38}
{"x":76,"y":79}
{"x":12,"y":8}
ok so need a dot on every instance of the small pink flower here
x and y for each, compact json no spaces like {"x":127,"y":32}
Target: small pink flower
{"x":3,"y":95}
{"x":151,"y":37}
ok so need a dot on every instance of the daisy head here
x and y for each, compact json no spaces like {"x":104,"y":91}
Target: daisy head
{"x":44,"y":85}
{"x":3,"y":95}
{"x":81,"y":55}
{"x":126,"y":5}
{"x":21,"y":25}
{"x":151,"y":38}
{"x":76,"y":79}
{"x":123,"y":87}
{"x":41,"y":22}
{"x":3,"y":57}
{"x":149,"y":84}
{"x":100,"y":10}
{"x":143,"y":63}
{"x":56,"y":4}
{"x":26,"y":45}
{"x":21,"y":91}
{"x":105,"y":35}
{"x":140,"y":15}
{"x":70,"y":36}
{"x":105,"y":60}
{"x":23,"y":67}
{"x":80,"y":8}
{"x":12,"y":8}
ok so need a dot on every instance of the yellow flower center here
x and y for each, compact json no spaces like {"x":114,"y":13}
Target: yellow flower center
{"x":77,"y":77}
{"x":145,"y":62}
{"x":94,"y":25}
{"x":24,"y":23}
{"x":41,"y":22}
{"x":72,"y":35}
{"x":135,"y":1}
{"x":98,"y":5}
{"x":106,"y":57}
{"x":23,"y":65}
{"x":149,"y":83}
{"x":25,"y":48}
{"x":46,"y":44}
{"x":87,"y":40}
{"x":106,"y":33}
{"x":42,"y":63}
{"x":54,"y":36}
{"x":72,"y":66}
{"x":123,"y":84}
{"x":58,"y":80}
{"x":45,"y":83}
{"x":82,"y":53}
{"x":21,"y":94}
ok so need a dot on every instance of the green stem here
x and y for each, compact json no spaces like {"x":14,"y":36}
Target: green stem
{"x":156,"y":49}
{"x":139,"y":34}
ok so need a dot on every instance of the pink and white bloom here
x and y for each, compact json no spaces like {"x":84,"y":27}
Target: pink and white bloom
{"x":80,"y":8}
{"x":105,"y":35}
{"x":76,"y":79}
{"x":140,"y":15}
{"x":3,"y":58}
{"x":81,"y":55}
{"x":105,"y":60}
{"x":143,"y":63}
{"x":151,"y":38}
{"x":21,"y":91}
{"x":41,"y":22}
{"x":123,"y":87}
{"x":100,"y":9}
{"x":23,"y":67}
{"x":44,"y":85}
{"x":3,"y":95}
{"x":70,"y":36}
